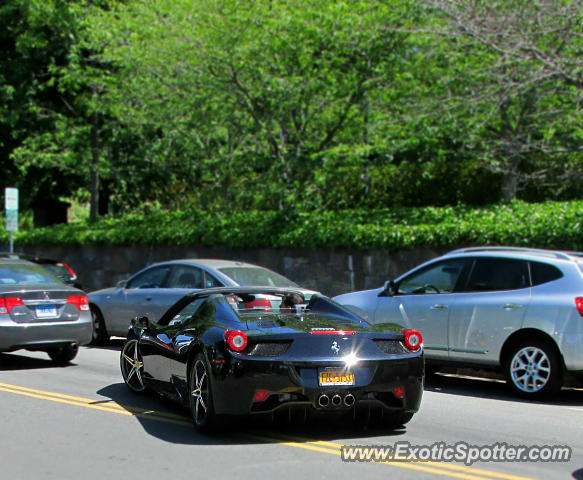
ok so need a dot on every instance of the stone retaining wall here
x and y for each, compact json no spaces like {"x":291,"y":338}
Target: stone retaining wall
{"x":330,"y":271}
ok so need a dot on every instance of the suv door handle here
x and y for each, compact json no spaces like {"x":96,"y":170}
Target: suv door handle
{"x":438,"y":306}
{"x":512,"y":306}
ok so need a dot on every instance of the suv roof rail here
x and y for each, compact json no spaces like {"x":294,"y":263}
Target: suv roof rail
{"x":536,"y":251}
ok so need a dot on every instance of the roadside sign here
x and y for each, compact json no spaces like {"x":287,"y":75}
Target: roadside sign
{"x":11,"y":220}
{"x":11,"y":196}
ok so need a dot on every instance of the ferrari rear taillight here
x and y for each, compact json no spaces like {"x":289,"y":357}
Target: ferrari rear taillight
{"x":261,"y":395}
{"x":399,"y":392}
{"x":80,"y":301}
{"x":259,"y":304}
{"x":579,"y":305}
{"x":8,"y":303}
{"x":413,"y":339}
{"x":236,"y":340}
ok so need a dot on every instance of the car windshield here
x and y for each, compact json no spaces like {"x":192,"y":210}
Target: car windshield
{"x":24,"y":274}
{"x":249,"y":276}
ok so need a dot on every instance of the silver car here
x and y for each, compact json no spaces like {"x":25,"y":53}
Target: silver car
{"x":517,"y":309}
{"x":151,"y":291}
{"x":39,"y":312}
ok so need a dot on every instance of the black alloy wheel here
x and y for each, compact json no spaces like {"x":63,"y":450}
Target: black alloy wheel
{"x":200,"y":396}
{"x":132,"y":366}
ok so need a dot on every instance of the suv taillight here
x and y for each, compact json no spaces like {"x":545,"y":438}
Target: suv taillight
{"x":80,"y":301}
{"x":579,"y":305}
{"x":8,"y":303}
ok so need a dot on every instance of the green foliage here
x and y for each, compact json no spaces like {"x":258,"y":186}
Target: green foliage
{"x":233,"y":101}
{"x":36,"y":36}
{"x":546,"y":225}
{"x":290,"y":106}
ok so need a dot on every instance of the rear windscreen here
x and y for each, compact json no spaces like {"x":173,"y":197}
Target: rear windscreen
{"x":58,"y":270}
{"x":251,"y":276}
{"x":24,"y":274}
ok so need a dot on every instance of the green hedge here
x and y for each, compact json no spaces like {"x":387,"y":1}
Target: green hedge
{"x":545,"y":225}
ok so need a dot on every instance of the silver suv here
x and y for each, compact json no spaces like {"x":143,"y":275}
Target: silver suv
{"x":518,"y":309}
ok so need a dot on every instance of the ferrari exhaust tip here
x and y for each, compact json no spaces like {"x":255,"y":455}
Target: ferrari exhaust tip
{"x":336,"y":400}
{"x":349,"y":400}
{"x":323,"y":400}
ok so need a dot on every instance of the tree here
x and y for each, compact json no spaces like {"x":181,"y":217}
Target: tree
{"x":245,"y":95}
{"x":522,"y":82}
{"x":35,"y":38}
{"x":54,"y":84}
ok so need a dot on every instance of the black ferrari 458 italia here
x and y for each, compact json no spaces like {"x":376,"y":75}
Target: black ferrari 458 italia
{"x":216,"y":352}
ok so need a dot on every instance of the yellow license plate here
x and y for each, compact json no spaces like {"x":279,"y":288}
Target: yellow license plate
{"x":336,"y":377}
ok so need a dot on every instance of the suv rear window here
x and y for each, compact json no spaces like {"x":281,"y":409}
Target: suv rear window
{"x":543,"y":273}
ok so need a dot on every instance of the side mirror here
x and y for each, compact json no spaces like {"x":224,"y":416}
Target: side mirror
{"x":142,"y":322}
{"x":121,"y":284}
{"x":390,"y":288}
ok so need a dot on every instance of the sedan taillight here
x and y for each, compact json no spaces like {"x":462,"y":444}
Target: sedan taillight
{"x":80,"y":301}
{"x":579,"y":305}
{"x":259,"y":304}
{"x":8,"y":303}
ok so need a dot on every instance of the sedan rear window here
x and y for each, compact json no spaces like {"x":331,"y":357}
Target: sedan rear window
{"x":23,"y":274}
{"x":249,"y":276}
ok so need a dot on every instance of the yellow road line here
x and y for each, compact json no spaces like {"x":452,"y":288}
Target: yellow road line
{"x":331,"y":448}
{"x":95,"y":404}
{"x":401,"y":464}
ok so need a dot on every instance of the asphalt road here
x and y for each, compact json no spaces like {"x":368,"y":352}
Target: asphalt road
{"x":80,"y":422}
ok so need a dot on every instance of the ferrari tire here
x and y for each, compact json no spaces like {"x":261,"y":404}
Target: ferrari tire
{"x":132,"y":365}
{"x":63,"y":354}
{"x":200,"y":395}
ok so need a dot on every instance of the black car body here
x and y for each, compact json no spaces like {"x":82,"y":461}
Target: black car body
{"x":210,"y":353}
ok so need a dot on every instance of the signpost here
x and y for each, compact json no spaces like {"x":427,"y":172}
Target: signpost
{"x":11,"y":196}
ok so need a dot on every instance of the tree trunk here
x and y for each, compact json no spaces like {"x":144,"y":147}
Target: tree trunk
{"x":509,"y":186}
{"x":94,"y":173}
{"x":510,"y":180}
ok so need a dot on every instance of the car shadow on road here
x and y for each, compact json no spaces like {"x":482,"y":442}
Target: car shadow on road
{"x":114,"y":344}
{"x":494,"y":388}
{"x":14,"y":361}
{"x":170,"y":422}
